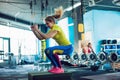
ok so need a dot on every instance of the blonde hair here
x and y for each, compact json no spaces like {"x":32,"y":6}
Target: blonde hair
{"x":58,"y":12}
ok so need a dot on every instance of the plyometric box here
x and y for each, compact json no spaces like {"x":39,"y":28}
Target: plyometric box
{"x":50,"y":76}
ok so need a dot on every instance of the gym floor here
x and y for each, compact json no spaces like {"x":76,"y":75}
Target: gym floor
{"x":21,"y":73}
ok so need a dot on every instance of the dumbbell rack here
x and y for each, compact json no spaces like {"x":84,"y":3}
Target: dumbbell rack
{"x":108,"y":48}
{"x":111,"y":47}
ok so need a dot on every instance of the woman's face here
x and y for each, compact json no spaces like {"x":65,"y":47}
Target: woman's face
{"x":89,"y":45}
{"x":49,"y":24}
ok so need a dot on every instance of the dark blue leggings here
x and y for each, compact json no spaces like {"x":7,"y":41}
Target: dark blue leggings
{"x":53,"y":52}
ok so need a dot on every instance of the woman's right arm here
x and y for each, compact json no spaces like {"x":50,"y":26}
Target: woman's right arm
{"x":34,"y":30}
{"x":38,"y":35}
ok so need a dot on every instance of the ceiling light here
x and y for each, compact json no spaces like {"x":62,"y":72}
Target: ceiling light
{"x":72,"y":7}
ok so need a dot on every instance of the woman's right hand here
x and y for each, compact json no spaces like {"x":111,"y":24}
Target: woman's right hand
{"x":34,"y":27}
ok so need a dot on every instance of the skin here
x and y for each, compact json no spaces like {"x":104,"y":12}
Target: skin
{"x":85,"y":48}
{"x":40,"y":35}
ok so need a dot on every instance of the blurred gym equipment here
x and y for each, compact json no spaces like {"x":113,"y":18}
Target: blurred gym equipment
{"x":115,"y":57}
{"x":103,"y":42}
{"x":1,"y":55}
{"x":92,"y":57}
{"x":114,"y":41}
{"x":11,"y":60}
{"x":67,"y":58}
{"x":76,"y":58}
{"x":83,"y":57}
{"x":102,"y":57}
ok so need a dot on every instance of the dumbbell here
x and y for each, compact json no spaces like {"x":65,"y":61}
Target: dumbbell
{"x":75,"y":57}
{"x":67,"y":57}
{"x":92,"y":57}
{"x":115,"y":56}
{"x":83,"y":57}
{"x":102,"y":57}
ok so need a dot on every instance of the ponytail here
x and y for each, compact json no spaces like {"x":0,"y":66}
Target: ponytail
{"x":57,"y":14}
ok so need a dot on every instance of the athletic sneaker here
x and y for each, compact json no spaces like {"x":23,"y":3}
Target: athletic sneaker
{"x":57,"y":70}
{"x":52,"y":69}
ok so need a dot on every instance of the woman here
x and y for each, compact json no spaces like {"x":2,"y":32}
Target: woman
{"x":90,"y":49}
{"x":84,"y":46}
{"x":87,"y":47}
{"x":55,"y":32}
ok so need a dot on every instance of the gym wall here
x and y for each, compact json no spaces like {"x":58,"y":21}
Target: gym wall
{"x":103,"y":25}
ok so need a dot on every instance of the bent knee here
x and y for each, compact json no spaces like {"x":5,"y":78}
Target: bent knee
{"x":47,"y":51}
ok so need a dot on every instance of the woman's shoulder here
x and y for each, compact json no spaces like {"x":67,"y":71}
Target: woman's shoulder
{"x":57,"y":26}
